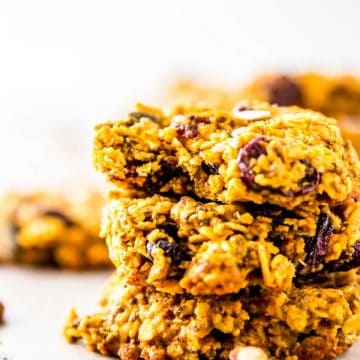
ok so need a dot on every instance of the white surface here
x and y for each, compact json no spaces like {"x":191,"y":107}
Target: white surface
{"x":67,"y":64}
{"x":37,"y":303}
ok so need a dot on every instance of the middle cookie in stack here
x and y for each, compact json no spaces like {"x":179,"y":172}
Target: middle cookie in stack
{"x":229,"y":209}
{"x":214,"y":249}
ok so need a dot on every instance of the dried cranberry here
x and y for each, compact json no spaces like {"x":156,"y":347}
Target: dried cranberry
{"x":210,"y":169}
{"x":168,"y":170}
{"x":284,"y":91}
{"x":356,"y":254}
{"x":199,"y":119}
{"x":252,"y":150}
{"x":311,"y":179}
{"x":131,"y":167}
{"x":171,"y":249}
{"x":186,"y":131}
{"x":219,"y":335}
{"x":318,"y":244}
{"x":190,"y":129}
{"x":346,"y":262}
{"x":266,"y":209}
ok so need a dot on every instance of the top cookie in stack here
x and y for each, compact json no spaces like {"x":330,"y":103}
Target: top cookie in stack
{"x":257,"y":153}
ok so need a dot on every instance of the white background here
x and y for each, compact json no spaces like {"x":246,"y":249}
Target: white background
{"x":65,"y":65}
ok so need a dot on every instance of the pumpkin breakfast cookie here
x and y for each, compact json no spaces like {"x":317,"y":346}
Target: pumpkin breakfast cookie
{"x":257,"y":153}
{"x":208,"y":248}
{"x":136,"y":322}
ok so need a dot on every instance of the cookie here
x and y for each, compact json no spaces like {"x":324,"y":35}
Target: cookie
{"x":257,"y":153}
{"x":137,"y":322}
{"x":52,"y":229}
{"x":202,"y":248}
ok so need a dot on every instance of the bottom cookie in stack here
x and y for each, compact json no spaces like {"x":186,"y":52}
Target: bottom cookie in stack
{"x":137,"y":322}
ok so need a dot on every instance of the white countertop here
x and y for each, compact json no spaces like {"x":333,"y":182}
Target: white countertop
{"x":37,"y":302}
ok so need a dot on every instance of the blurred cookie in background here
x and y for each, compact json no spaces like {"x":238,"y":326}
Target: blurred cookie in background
{"x":336,"y":96}
{"x":53,"y":229}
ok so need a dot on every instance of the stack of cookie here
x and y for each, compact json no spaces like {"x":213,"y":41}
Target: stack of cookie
{"x":228,"y":229}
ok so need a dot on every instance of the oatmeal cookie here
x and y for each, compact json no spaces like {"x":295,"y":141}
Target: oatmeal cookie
{"x":137,"y":322}
{"x":209,"y":248}
{"x":257,"y":153}
{"x":52,"y":229}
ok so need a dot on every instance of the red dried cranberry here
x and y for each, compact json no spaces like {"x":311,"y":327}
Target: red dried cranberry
{"x":284,"y":91}
{"x":210,"y":168}
{"x":252,"y":150}
{"x":311,"y":179}
{"x":168,"y":170}
{"x":186,"y":131}
{"x":171,"y":249}
{"x":131,"y":167}
{"x":356,"y":254}
{"x":190,"y":130}
{"x":318,"y":244}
